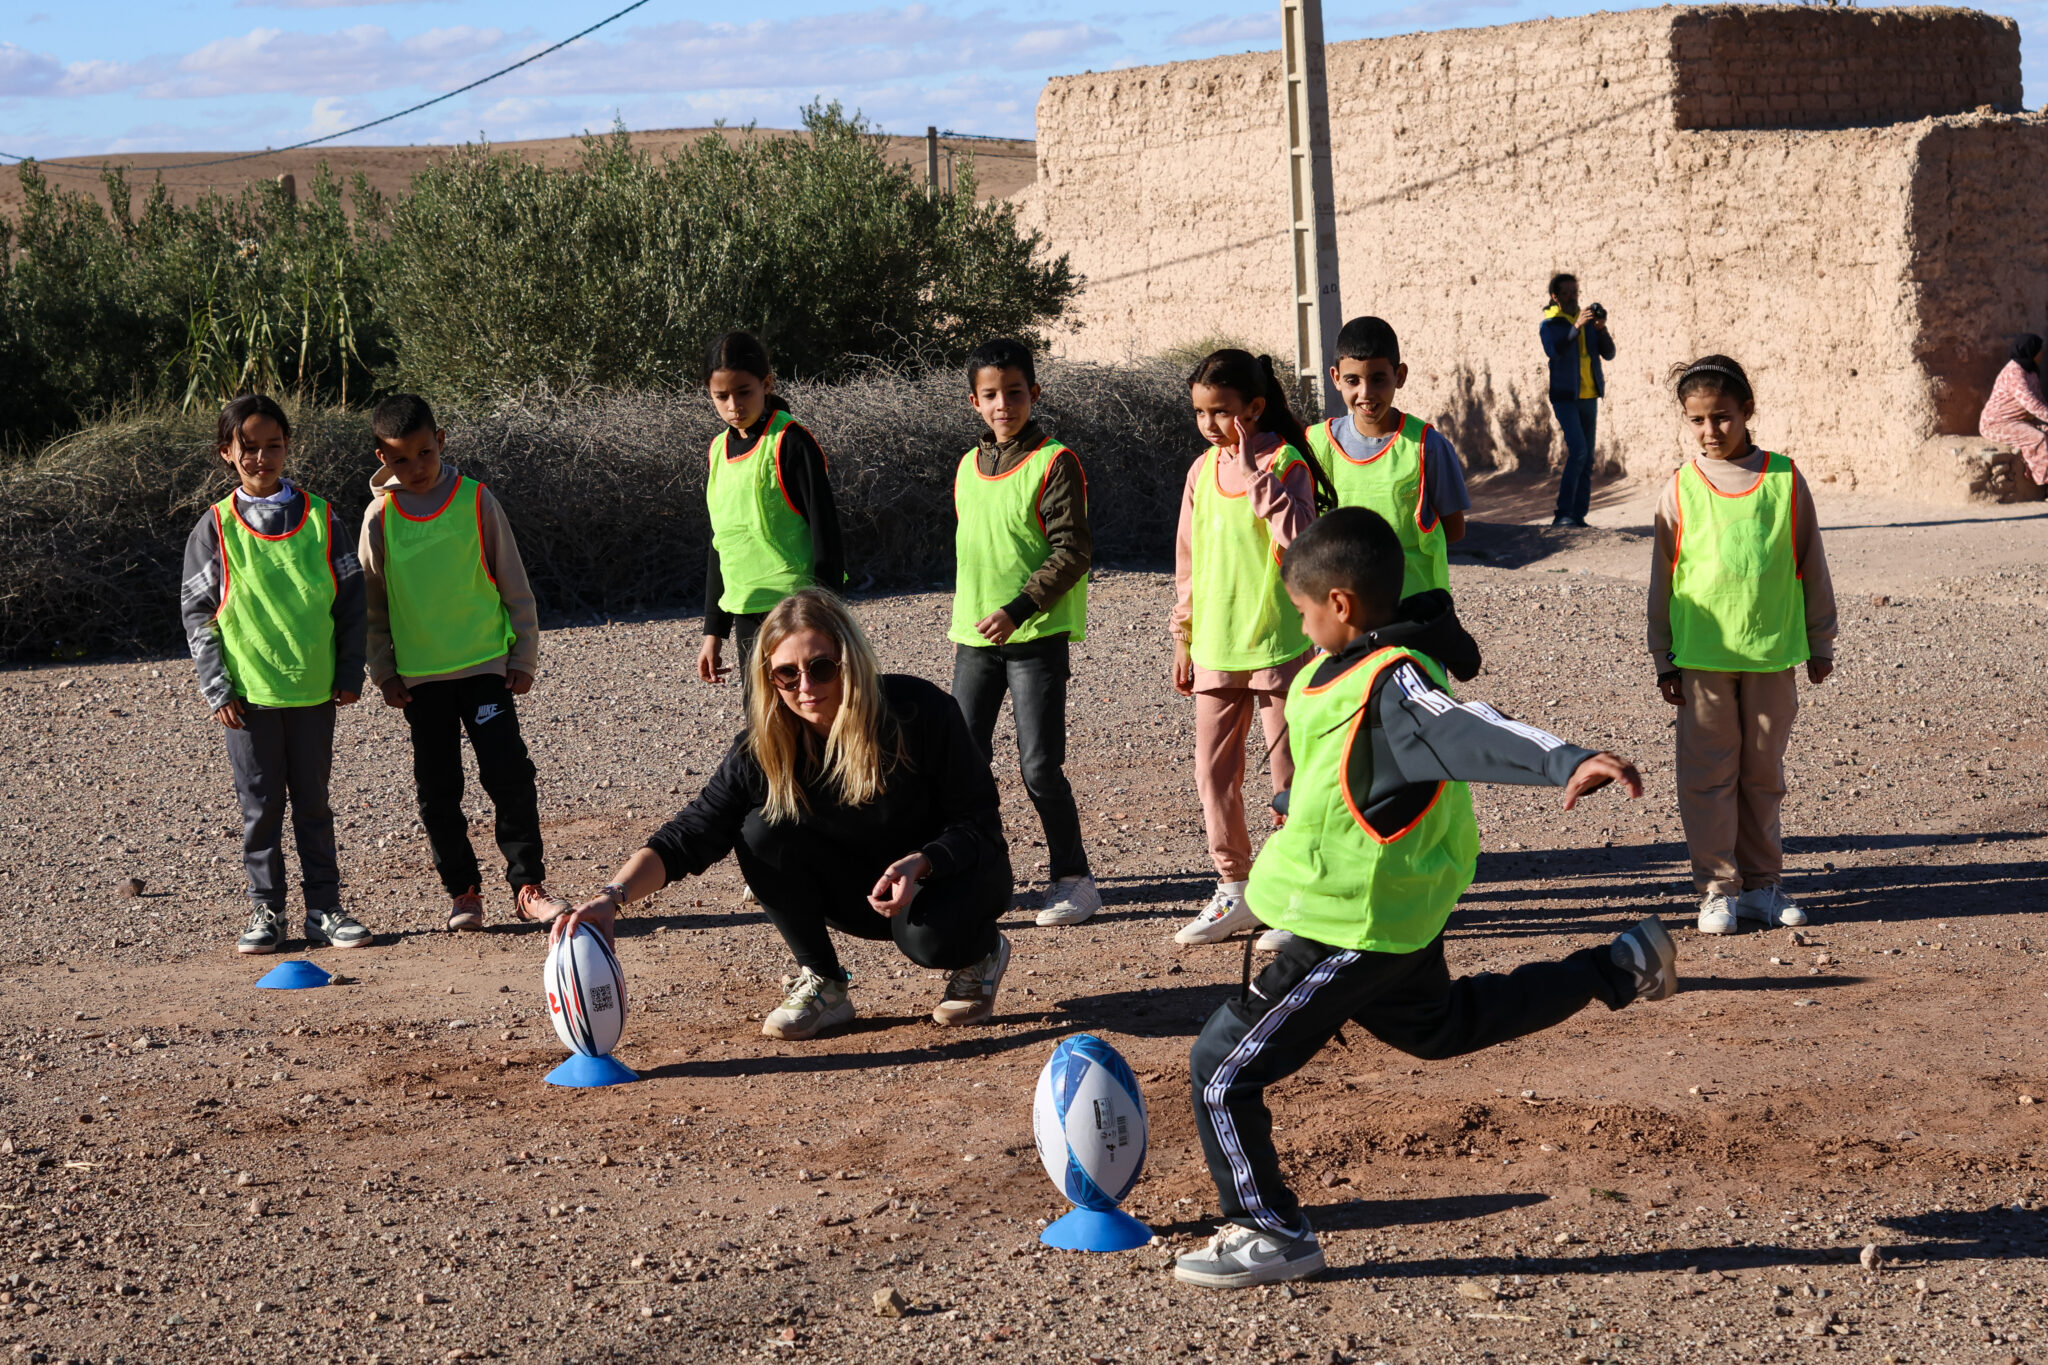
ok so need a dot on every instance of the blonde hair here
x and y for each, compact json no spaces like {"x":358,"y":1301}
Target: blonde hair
{"x":865,"y":742}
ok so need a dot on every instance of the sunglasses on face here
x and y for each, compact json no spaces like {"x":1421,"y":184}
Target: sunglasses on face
{"x":821,"y":672}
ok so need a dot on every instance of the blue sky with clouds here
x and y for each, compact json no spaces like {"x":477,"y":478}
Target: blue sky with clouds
{"x":80,"y":77}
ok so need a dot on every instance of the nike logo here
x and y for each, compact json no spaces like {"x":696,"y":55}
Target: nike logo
{"x":488,"y":711}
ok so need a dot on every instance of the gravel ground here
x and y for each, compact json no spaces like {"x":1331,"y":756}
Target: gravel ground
{"x":193,"y":1169}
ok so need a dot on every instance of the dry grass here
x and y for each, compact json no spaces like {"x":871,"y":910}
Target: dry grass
{"x":606,"y":491}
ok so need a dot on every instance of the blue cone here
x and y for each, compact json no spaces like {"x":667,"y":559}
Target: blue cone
{"x":1109,"y":1229}
{"x":582,"y":1072}
{"x":296,"y":975}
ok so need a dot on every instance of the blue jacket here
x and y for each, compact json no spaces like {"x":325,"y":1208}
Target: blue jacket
{"x":1570,"y":362}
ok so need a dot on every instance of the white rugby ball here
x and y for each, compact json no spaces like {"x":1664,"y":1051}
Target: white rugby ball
{"x":1088,"y":1118}
{"x":586,"y":992}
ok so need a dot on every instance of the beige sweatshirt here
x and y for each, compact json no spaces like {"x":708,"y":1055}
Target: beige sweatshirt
{"x":501,"y":557}
{"x":1734,"y":476}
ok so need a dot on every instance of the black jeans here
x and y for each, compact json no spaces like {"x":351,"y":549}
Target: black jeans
{"x":1406,"y":1000}
{"x":1579,"y":420}
{"x":439,"y":714}
{"x":280,"y":754}
{"x":951,"y":923}
{"x":745,"y":630}
{"x":1035,"y":675}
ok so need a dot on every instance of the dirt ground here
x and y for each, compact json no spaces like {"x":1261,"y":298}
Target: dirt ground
{"x":1003,"y":167}
{"x":195,"y":1169}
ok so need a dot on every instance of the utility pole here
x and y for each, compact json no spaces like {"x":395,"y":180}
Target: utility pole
{"x":1311,"y":200}
{"x":931,"y":162}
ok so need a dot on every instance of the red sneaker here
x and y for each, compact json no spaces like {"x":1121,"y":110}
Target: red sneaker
{"x":467,"y":911}
{"x":535,"y":904}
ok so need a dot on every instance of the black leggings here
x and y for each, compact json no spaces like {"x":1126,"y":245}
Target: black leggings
{"x":951,"y":923}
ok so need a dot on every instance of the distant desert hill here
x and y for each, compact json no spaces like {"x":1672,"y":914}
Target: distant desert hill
{"x":1003,"y":167}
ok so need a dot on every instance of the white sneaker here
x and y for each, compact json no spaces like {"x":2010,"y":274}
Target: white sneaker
{"x":1239,"y":1257}
{"x":1223,"y":916}
{"x":1771,"y":905}
{"x":1717,"y":915}
{"x":814,"y":1004}
{"x":747,"y":895}
{"x":1070,"y":900}
{"x":1273,"y":940}
{"x":971,"y":991}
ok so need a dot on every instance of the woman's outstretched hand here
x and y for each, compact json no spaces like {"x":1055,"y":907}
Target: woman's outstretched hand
{"x":599,"y":912}
{"x":898,"y":885}
{"x":1596,"y":772}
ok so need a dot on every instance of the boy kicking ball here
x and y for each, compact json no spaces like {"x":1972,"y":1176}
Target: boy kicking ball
{"x":1379,"y":844}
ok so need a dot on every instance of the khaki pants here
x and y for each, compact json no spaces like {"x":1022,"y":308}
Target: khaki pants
{"x":1732,"y":733}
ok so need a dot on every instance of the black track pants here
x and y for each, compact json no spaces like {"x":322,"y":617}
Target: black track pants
{"x":439,"y":714}
{"x":1406,"y":1000}
{"x":951,"y":923}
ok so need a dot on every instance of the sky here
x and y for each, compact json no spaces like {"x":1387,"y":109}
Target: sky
{"x":80,"y":77}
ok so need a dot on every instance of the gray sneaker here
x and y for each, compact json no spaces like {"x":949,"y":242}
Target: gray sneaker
{"x":1646,"y":954}
{"x":814,"y":1004}
{"x":1717,"y":914}
{"x":336,"y":928}
{"x":1771,"y":905}
{"x":265,"y":933}
{"x":1240,"y":1257}
{"x":1070,"y":900}
{"x":971,"y":991}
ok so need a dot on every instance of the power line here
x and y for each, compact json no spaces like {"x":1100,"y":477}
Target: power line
{"x":360,"y":127}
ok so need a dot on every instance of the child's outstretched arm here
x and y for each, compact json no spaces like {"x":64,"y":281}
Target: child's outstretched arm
{"x":1433,"y":737}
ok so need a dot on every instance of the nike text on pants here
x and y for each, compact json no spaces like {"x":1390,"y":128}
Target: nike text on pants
{"x":1406,"y":1000}
{"x":439,"y":714}
{"x":285,"y":753}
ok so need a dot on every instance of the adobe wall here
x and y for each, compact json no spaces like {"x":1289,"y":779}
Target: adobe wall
{"x":1471,"y":165}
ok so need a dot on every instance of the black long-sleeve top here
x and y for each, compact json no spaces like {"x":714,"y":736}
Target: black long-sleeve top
{"x":941,"y":799}
{"x":801,"y":467}
{"x":1420,"y":735}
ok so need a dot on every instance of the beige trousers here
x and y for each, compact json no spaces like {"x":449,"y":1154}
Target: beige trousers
{"x":1732,"y":733}
{"x":1222,"y":719}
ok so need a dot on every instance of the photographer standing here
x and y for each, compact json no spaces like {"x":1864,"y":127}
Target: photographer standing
{"x":1575,"y":342}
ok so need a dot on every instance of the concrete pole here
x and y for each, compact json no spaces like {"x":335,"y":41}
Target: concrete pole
{"x":1312,"y":201}
{"x":931,"y":162}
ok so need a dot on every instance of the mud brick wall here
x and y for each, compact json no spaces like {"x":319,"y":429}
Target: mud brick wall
{"x":1751,"y":66}
{"x":1869,"y":275}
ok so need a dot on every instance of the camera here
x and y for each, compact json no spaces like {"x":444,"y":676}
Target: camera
{"x":1599,"y":312}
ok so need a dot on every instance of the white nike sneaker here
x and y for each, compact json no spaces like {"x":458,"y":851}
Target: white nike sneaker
{"x":1223,"y":916}
{"x":1771,"y":905}
{"x":1240,"y":1257}
{"x":1273,"y":940}
{"x":1070,"y":900}
{"x":1717,"y":914}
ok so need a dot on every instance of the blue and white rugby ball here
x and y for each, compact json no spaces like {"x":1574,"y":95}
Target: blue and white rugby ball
{"x":586,"y":993}
{"x":1088,"y":1118}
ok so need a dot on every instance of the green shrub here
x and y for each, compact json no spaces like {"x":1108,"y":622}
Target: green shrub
{"x":616,"y":272}
{"x":605,"y":491}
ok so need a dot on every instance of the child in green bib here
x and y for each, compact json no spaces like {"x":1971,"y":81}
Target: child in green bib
{"x":1393,"y":462}
{"x":273,"y":612}
{"x":1739,"y":599}
{"x":1379,"y":844}
{"x":774,"y":526}
{"x":1237,"y":641}
{"x":1020,"y":600}
{"x":454,"y":638}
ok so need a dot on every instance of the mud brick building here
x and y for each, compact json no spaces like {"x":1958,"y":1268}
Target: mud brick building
{"x":1848,"y":200}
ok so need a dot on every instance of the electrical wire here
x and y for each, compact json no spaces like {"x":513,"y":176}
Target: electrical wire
{"x":373,"y":123}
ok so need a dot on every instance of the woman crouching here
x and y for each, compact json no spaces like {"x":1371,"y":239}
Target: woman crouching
{"x":840,"y":770}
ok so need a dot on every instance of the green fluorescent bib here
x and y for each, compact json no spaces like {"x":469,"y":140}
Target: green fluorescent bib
{"x":1325,"y":874}
{"x":446,"y":614}
{"x":1736,"y":602}
{"x":764,"y":547}
{"x":1001,"y":542}
{"x":1242,"y":619}
{"x":276,"y":617}
{"x":1391,"y":483}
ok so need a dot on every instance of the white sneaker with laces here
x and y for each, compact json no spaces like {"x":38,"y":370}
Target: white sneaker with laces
{"x":1223,"y":916}
{"x":814,"y":1004}
{"x":1717,"y":914}
{"x":971,"y":991}
{"x":1771,"y":905}
{"x":1273,"y":940}
{"x":1239,"y":1257}
{"x":1070,"y":900}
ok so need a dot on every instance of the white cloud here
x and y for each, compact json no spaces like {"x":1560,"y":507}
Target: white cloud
{"x":28,"y":73}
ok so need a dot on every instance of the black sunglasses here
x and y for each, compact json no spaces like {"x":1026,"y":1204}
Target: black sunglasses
{"x":820,"y":671}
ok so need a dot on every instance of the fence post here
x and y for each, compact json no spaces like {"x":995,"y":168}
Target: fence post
{"x":1311,"y":201}
{"x":931,"y":162}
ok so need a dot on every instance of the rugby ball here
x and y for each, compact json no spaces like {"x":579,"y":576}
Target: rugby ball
{"x":586,"y":992}
{"x":1088,"y":1118}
